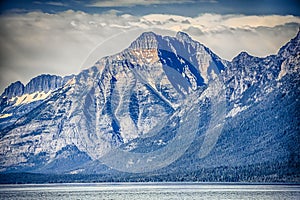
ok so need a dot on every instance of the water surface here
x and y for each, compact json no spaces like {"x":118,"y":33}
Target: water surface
{"x":149,"y":191}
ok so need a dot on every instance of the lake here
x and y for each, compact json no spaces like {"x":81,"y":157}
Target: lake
{"x":149,"y":191}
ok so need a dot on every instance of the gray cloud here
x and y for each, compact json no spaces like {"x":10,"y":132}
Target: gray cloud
{"x":64,"y":43}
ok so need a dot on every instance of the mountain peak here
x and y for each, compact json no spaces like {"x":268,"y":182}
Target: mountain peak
{"x":14,"y":89}
{"x":298,"y":34}
{"x":150,"y":40}
{"x":147,"y":40}
{"x":292,"y":47}
{"x":148,"y":34}
{"x":242,"y":56}
{"x":182,"y":36}
{"x":43,"y":82}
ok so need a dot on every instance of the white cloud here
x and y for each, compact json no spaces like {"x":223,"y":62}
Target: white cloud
{"x":216,"y":22}
{"x":52,"y":3}
{"x":36,"y":42}
{"x":122,"y":3}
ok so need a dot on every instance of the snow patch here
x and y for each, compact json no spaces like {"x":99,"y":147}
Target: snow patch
{"x":72,"y":81}
{"x":131,"y":146}
{"x":128,"y":130}
{"x":282,"y":73}
{"x":5,"y":115}
{"x":76,"y":171}
{"x":269,"y":90}
{"x":28,"y":98}
{"x":160,"y":142}
{"x":236,"y":110}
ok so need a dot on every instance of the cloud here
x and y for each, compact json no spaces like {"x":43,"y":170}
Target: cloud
{"x":208,"y":1}
{"x":51,"y":3}
{"x":122,"y":3}
{"x":216,"y":22}
{"x":35,"y":43}
{"x":261,"y":41}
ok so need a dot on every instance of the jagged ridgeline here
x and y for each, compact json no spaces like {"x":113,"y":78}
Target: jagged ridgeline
{"x":164,"y":109}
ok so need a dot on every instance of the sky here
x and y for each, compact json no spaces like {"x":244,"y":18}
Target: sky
{"x":64,"y":37}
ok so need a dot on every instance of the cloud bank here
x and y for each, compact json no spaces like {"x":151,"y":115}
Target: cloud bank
{"x":122,"y":3}
{"x":36,"y":42}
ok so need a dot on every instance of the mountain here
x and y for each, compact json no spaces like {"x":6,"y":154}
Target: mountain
{"x":18,"y":99}
{"x":165,"y":108}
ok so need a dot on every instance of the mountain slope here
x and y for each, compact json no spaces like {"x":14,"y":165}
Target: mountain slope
{"x":122,"y":97}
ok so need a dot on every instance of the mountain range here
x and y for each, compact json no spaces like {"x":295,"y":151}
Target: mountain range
{"x":164,"y":109}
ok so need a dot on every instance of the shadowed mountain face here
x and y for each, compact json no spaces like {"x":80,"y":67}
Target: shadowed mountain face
{"x":165,"y":105}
